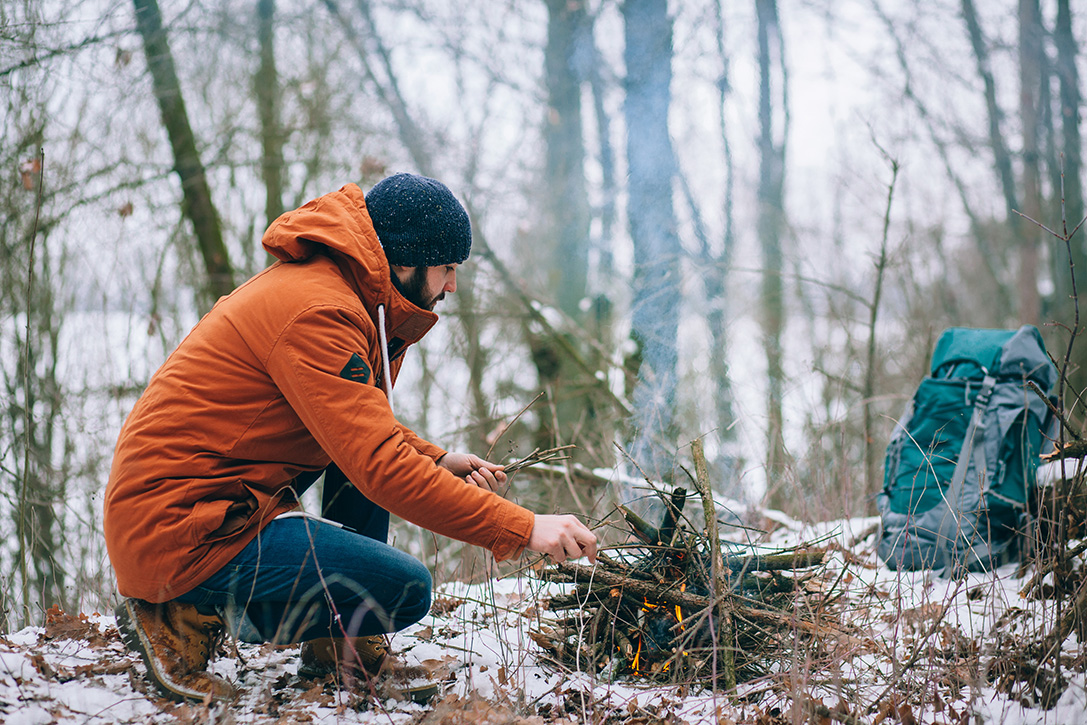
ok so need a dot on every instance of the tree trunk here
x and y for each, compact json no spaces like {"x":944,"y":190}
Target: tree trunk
{"x":1001,"y":155}
{"x":567,"y":206}
{"x":1073,"y":212}
{"x":1030,"y":77}
{"x":653,"y":230}
{"x":609,"y":185}
{"x":715,"y":270}
{"x":771,"y":218}
{"x":566,"y":229}
{"x":266,"y":86}
{"x":197,"y":203}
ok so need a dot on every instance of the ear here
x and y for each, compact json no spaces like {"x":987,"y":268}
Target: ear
{"x":402,"y":273}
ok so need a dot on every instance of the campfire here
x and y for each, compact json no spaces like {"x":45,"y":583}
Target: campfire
{"x":658,"y":608}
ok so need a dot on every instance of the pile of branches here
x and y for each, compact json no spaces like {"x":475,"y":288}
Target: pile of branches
{"x":680,"y":605}
{"x":1032,"y":667}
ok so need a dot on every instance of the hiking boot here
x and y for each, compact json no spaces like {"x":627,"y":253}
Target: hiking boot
{"x":368,"y":659}
{"x":176,"y":642}
{"x":364,"y":655}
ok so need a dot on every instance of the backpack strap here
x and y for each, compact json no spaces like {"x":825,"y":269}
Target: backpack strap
{"x":952,"y":521}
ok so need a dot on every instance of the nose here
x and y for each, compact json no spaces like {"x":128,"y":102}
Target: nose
{"x":451,"y":282}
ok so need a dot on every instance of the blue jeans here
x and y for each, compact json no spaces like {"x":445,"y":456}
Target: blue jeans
{"x":301,"y":578}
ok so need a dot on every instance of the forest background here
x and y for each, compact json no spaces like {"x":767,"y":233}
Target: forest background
{"x":744,"y":222}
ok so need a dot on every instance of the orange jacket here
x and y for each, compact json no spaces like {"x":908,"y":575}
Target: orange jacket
{"x":283,"y":376}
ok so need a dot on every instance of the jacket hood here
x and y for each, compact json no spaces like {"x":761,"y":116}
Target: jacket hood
{"x":339,"y":226}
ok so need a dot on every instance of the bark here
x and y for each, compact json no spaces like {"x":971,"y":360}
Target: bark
{"x":1030,"y":78}
{"x":266,"y":83}
{"x":1070,"y":100}
{"x":197,"y":204}
{"x":653,"y":229}
{"x":771,"y":218}
{"x":566,"y":228}
{"x":1072,"y":165}
{"x":726,"y":639}
{"x":609,"y":185}
{"x":1001,"y":155}
{"x":567,"y":205}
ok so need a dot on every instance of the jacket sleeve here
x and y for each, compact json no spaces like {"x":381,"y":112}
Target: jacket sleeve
{"x":352,"y":422}
{"x":425,"y":447}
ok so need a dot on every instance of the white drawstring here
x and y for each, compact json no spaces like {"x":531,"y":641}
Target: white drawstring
{"x":385,"y":356}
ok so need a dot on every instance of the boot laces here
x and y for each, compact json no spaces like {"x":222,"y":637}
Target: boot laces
{"x":211,"y":626}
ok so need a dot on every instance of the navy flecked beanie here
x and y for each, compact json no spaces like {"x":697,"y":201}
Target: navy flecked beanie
{"x":419,"y":222}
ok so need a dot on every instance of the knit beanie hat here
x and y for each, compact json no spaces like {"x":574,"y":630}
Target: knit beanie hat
{"x":419,"y":222}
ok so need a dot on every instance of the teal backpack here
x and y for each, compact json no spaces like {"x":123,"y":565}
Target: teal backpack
{"x":961,"y":466}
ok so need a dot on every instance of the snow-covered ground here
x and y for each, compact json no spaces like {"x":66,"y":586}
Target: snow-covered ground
{"x":919,"y":649}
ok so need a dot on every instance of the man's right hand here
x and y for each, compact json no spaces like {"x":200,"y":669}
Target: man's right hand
{"x":562,"y":537}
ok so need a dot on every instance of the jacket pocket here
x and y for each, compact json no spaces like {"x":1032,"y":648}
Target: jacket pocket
{"x":215,"y":519}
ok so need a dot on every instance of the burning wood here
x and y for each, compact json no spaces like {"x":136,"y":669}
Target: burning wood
{"x":655,"y":614}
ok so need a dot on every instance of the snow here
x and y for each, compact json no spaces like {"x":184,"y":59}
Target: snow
{"x":910,"y":635}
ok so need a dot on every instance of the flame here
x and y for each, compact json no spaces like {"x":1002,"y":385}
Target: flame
{"x":636,"y":663}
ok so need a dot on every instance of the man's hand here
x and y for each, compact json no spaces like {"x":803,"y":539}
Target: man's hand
{"x":562,"y":537}
{"x":474,"y":470}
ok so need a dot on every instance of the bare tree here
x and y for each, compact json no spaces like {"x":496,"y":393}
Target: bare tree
{"x":568,"y":55}
{"x":715,"y":266}
{"x":771,"y":223}
{"x":567,"y":205}
{"x":1064,"y":265}
{"x":267,"y":88}
{"x":377,"y":65}
{"x":197,"y":202}
{"x":1030,"y":80}
{"x":653,"y":229}
{"x":36,"y":449}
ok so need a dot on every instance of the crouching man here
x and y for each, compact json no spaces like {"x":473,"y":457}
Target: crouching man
{"x":289,"y":377}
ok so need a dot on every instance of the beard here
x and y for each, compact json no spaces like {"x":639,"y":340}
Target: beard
{"x":415,"y":291}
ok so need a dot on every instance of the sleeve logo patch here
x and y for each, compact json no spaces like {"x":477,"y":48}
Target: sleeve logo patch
{"x":356,"y":369}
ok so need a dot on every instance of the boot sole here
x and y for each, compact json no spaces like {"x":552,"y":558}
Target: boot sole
{"x":135,"y":640}
{"x":422,"y":694}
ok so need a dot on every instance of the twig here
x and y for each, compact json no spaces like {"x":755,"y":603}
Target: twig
{"x":515,"y":419}
{"x":717,"y":566}
{"x":871,"y":461}
{"x":1034,"y":387}
{"x":538,"y":456}
{"x":1046,"y":567}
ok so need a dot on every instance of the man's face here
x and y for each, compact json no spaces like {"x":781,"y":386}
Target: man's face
{"x":425,"y":286}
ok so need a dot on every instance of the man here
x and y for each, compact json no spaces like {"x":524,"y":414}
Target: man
{"x":289,"y":377}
